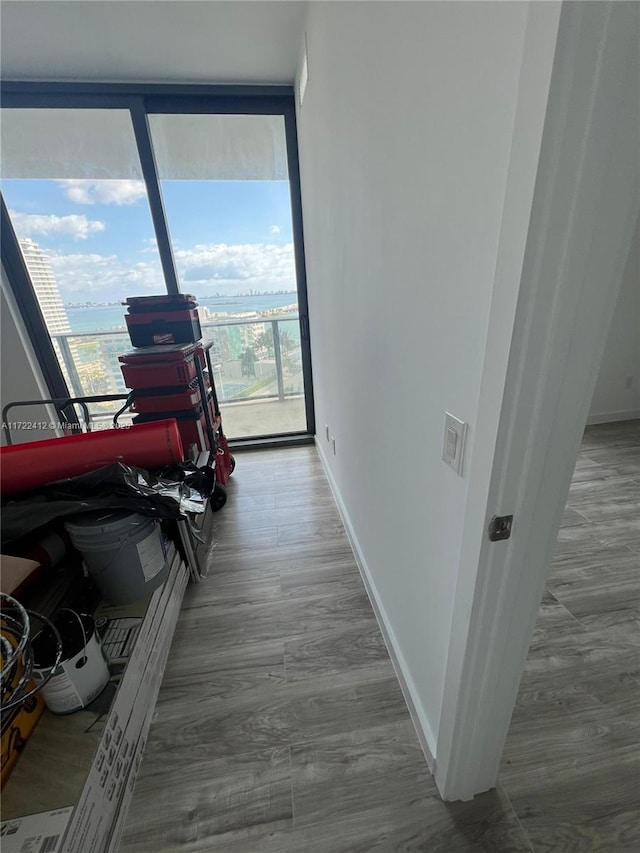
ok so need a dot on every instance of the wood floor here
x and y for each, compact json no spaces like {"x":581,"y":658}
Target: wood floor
{"x":280,"y":725}
{"x":571,"y":767}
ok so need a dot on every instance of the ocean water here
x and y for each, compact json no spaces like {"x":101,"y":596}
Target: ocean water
{"x":111,"y":317}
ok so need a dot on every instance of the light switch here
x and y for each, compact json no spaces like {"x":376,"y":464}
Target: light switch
{"x":451,"y":442}
{"x":455,"y":432}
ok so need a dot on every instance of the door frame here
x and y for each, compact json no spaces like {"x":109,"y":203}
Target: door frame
{"x":585,"y":207}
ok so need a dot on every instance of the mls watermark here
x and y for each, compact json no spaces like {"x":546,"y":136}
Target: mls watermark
{"x":61,"y":426}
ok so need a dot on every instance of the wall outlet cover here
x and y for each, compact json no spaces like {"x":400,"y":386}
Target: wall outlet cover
{"x":455,"y":434}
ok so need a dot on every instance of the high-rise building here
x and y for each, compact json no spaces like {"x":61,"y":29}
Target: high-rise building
{"x":46,"y":287}
{"x":89,"y":363}
{"x":53,"y":311}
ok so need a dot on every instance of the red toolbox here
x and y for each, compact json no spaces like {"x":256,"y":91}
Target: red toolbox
{"x":153,"y":320}
{"x":160,"y":366}
{"x":192,"y":427}
{"x":172,"y":327}
{"x":154,"y":400}
{"x":164,"y":302}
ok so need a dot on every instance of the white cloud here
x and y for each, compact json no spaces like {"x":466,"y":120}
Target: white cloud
{"x":76,"y":226}
{"x":117,"y":192}
{"x":150,"y":246}
{"x":275,"y":229}
{"x":202,"y":269}
{"x":257,"y":265}
{"x":104,"y":277}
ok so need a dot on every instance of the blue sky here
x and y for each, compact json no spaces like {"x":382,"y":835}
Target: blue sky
{"x":228,"y":236}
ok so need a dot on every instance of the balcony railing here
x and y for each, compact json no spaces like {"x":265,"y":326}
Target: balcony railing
{"x":252,"y":360}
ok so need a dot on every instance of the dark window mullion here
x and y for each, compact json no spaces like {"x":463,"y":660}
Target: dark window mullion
{"x":208,"y":104}
{"x":221,"y":97}
{"x":142,"y":133}
{"x":301,"y":272}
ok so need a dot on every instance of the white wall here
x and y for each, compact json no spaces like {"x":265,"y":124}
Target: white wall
{"x":20,"y":375}
{"x":617,"y":394}
{"x":405,"y":142}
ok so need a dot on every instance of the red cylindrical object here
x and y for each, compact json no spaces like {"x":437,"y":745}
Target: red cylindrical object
{"x":27,"y":466}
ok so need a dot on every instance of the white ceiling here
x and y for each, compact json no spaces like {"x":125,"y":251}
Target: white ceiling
{"x":179,"y":41}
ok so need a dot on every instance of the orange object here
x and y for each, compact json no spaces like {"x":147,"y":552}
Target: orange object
{"x":27,"y":466}
{"x":17,"y":726}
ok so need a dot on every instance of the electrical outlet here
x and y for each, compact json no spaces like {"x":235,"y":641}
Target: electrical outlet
{"x":326,"y":431}
{"x":333,"y":444}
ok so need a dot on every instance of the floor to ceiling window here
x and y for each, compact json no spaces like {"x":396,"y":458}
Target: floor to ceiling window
{"x":225,"y":186}
{"x":73,"y":186}
{"x":165,"y":194}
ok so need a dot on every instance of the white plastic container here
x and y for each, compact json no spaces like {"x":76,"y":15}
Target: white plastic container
{"x":123,"y":553}
{"x":82,"y":674}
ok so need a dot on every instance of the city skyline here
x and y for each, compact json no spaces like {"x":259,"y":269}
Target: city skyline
{"x":217,"y":295}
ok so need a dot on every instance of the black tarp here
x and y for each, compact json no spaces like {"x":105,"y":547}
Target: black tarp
{"x":171,"y":492}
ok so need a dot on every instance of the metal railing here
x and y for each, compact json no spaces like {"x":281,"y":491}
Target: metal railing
{"x":249,"y":363}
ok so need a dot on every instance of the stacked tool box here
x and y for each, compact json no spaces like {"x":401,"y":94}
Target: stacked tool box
{"x":153,"y":320}
{"x":170,"y":374}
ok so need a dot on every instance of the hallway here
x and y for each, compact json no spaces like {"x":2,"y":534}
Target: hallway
{"x":280,"y":725}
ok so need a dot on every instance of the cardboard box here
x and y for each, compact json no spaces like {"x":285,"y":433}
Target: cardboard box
{"x":37,"y":832}
{"x":96,"y":814}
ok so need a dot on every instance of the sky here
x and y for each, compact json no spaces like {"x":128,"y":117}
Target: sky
{"x":228,"y":236}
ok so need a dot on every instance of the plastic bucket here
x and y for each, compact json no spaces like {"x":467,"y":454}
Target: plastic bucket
{"x":81,"y":674}
{"x":122,"y":551}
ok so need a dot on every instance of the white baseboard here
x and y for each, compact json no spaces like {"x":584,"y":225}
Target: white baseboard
{"x":613,"y":417}
{"x":420,"y":722}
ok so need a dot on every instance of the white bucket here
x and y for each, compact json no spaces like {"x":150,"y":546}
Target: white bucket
{"x":122,"y":551}
{"x":81,"y":674}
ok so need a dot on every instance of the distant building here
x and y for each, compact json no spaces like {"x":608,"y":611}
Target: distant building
{"x":112,"y":346}
{"x":81,"y":359}
{"x":46,"y":288}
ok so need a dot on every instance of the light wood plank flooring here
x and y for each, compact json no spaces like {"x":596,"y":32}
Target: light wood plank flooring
{"x":571,"y":766}
{"x":280,"y":725}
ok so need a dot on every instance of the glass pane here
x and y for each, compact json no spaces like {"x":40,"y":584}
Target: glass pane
{"x":73,"y":186}
{"x":226,"y":194}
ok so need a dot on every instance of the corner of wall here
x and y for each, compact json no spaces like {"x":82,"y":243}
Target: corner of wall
{"x":616,"y":396}
{"x":21,"y":377}
{"x":409,"y":691}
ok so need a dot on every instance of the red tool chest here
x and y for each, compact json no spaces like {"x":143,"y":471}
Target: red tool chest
{"x":192,"y":426}
{"x":166,"y":319}
{"x":171,"y":327}
{"x":170,"y":375}
{"x":163,"y":302}
{"x":162,"y":366}
{"x":152,"y":400}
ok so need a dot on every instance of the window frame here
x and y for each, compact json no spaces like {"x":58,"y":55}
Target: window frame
{"x":143,"y":100}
